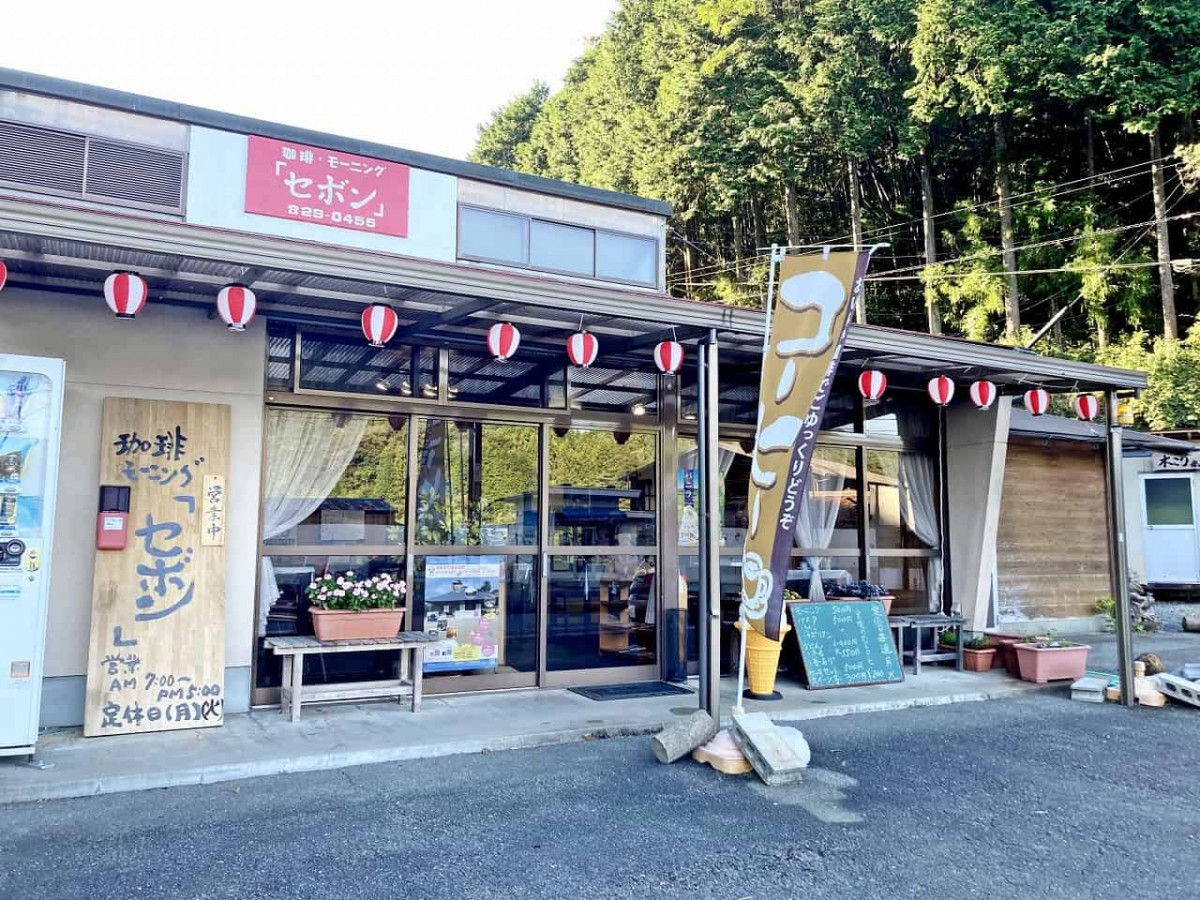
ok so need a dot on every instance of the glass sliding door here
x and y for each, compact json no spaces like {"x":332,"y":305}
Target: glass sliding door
{"x":475,"y":578}
{"x":602,"y":593}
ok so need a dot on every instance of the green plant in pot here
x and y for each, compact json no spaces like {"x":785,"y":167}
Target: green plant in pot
{"x":348,"y":608}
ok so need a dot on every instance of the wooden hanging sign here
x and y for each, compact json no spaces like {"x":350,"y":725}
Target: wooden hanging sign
{"x":157,"y":652}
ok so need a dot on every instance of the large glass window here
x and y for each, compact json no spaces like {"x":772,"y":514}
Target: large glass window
{"x":350,"y":365}
{"x":522,"y":381}
{"x":904,"y":525}
{"x":602,"y":489}
{"x":476,"y":483}
{"x":334,"y":501}
{"x":1168,"y":501}
{"x":614,"y":390}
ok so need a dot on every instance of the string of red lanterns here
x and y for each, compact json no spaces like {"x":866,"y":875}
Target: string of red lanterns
{"x":125,"y":293}
{"x":983,"y":393}
{"x":503,"y":339}
{"x":1037,"y":401}
{"x":941,"y":390}
{"x":379,"y":324}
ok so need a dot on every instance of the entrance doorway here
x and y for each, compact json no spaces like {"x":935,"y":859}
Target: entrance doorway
{"x":1172,"y":553}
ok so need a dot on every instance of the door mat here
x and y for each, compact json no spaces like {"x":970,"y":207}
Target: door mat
{"x":630,"y":691}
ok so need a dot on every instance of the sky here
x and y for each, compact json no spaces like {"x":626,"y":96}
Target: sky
{"x":419,"y":75}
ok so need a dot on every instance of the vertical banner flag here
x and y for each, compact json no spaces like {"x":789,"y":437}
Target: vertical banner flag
{"x":817,"y":294}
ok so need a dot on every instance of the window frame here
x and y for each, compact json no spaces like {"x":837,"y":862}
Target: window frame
{"x":526,"y":264}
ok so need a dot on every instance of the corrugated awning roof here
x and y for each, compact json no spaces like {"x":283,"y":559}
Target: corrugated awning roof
{"x":1061,"y":428}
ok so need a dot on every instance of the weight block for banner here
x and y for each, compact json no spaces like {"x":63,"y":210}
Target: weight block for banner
{"x":773,"y":756}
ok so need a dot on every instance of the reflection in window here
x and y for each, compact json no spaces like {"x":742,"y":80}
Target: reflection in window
{"x":602,"y":612}
{"x":602,"y":489}
{"x":614,"y":390}
{"x":524,"y":380}
{"x":733,"y":462}
{"x":350,"y":365}
{"x":284,"y":609}
{"x":476,"y":483}
{"x":334,"y":479}
{"x":901,"y":501}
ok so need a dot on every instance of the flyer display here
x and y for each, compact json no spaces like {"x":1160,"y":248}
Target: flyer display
{"x":464,"y":607}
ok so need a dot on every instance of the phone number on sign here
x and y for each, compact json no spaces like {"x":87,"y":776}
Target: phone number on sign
{"x":331,"y":216}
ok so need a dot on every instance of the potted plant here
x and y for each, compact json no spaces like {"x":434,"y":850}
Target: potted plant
{"x":345,"y":608}
{"x":1050,"y":659}
{"x":977,"y":653}
{"x":862,"y":590}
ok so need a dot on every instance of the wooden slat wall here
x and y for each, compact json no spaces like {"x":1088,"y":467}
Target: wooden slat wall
{"x":1052,"y":549}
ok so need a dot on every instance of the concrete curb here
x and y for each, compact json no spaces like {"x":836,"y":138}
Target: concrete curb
{"x":214,"y":774}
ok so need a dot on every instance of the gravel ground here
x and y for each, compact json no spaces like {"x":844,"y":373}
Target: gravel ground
{"x":1036,"y":797}
{"x":1170,"y":615}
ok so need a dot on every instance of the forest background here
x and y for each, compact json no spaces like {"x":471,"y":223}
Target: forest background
{"x":1033,"y":165}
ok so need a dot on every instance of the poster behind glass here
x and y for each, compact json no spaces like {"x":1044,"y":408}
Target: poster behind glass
{"x":464,"y":607}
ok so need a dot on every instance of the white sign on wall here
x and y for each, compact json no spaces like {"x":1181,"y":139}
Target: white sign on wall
{"x":1176,"y":462}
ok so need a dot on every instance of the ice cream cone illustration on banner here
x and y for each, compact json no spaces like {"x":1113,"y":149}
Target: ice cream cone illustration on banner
{"x":808,"y":329}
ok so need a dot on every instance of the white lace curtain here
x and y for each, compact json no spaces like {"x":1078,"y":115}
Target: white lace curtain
{"x":307,"y":454}
{"x":819,"y":514}
{"x":918,"y":496}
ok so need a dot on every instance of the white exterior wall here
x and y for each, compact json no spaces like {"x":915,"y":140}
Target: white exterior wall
{"x":165,"y":354}
{"x":1132,"y":468}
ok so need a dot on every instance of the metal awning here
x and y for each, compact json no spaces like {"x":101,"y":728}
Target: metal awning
{"x":69,"y":249}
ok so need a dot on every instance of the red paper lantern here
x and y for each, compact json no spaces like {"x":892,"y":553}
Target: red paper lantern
{"x":1087,"y":407}
{"x":1037,"y":401}
{"x":125,"y":293}
{"x":3,"y":274}
{"x":941,"y":390}
{"x":503,"y":340}
{"x":379,"y":324}
{"x":872,"y":383}
{"x":236,"y":303}
{"x":668,"y":356}
{"x":582,"y":349}
{"x":983,"y":394}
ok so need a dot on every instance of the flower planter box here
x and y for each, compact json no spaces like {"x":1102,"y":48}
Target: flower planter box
{"x":1043,"y":664}
{"x":356,"y":625}
{"x":978,"y":660}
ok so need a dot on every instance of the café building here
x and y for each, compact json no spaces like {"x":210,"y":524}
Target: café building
{"x":479,"y":465}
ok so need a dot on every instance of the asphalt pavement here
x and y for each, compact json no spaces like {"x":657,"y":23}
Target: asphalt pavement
{"x":1036,"y":797}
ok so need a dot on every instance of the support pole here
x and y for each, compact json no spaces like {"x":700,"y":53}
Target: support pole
{"x":1117,"y":555}
{"x":710,"y":524}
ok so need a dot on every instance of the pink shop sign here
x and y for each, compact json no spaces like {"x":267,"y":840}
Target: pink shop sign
{"x":339,"y":190}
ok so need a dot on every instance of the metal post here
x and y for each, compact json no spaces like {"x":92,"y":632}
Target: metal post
{"x":710,"y":523}
{"x":1117,"y":555}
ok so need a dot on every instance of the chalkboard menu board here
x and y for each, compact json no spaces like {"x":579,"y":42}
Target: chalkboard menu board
{"x":845,"y":642}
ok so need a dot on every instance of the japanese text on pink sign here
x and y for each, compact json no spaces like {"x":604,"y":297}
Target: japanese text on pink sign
{"x":293,"y":181}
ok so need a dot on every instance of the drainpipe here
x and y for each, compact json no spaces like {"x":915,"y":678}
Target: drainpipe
{"x":710,"y":523}
{"x":1117,"y":550}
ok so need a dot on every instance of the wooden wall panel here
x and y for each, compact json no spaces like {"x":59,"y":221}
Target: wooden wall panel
{"x":157,"y":651}
{"x":1052,"y":548}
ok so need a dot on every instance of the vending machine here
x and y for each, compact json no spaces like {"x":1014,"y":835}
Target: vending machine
{"x":31,"y":394}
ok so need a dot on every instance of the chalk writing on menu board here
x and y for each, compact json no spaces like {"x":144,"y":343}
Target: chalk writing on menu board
{"x":845,"y":643}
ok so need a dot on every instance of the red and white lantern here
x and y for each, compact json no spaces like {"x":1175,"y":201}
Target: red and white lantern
{"x":236,"y":303}
{"x":582,"y":349}
{"x":503,"y":340}
{"x":3,"y":274}
{"x":379,"y":324}
{"x":941,"y":390}
{"x":125,"y":293}
{"x":1037,"y":401}
{"x":871,"y":384}
{"x":668,"y":356}
{"x":983,"y":394}
{"x":1087,"y":407}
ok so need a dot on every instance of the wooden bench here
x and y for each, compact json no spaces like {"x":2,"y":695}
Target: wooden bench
{"x":294,"y":692}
